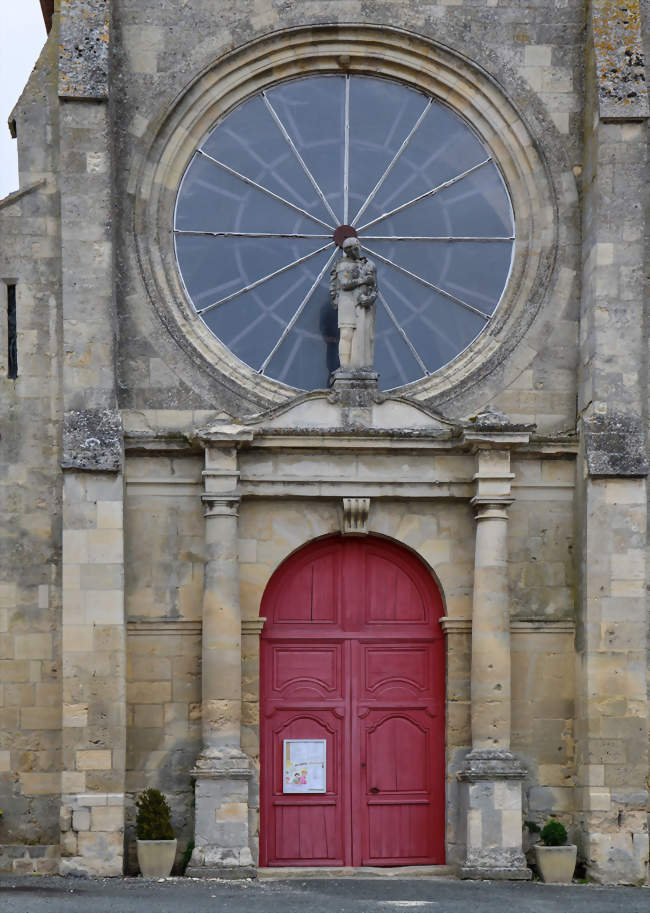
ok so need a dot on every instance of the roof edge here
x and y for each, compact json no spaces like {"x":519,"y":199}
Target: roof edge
{"x":47,"y":8}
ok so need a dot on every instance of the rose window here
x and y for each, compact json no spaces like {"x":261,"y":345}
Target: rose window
{"x":285,"y":177}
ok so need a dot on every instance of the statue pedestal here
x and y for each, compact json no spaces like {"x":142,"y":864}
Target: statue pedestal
{"x":355,"y":391}
{"x":354,"y":388}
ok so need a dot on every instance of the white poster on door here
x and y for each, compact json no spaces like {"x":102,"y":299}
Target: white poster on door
{"x":304,"y":766}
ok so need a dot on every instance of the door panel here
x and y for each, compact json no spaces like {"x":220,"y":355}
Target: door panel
{"x":397,"y":753}
{"x":308,"y":833}
{"x":392,"y":594}
{"x":309,"y":595}
{"x":393,"y":671}
{"x":399,"y":764}
{"x":304,"y":671}
{"x":352,"y":652}
{"x":398,"y":834}
{"x":307,"y":828}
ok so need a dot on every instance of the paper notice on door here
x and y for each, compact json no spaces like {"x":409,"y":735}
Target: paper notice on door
{"x":304,"y":769}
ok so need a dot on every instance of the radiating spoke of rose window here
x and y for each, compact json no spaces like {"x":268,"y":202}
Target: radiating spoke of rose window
{"x":307,"y":162}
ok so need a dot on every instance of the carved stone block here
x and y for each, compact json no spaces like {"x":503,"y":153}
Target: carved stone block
{"x":355,"y":515}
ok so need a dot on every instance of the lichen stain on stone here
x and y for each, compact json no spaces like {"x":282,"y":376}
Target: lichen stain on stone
{"x":615,"y":446}
{"x":83,"y":49}
{"x":92,"y":440}
{"x":79,"y":361}
{"x":620,"y":63}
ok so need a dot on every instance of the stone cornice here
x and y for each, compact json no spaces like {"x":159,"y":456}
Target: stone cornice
{"x":223,"y":436}
{"x":505,"y":439}
{"x":252,"y":626}
{"x":158,"y":626}
{"x":517,"y":626}
{"x":379,"y":440}
{"x":18,"y":194}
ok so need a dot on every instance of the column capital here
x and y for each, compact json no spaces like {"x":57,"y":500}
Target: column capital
{"x":494,"y":440}
{"x":223,"y":437}
{"x":221,"y":505}
{"x":493,"y":430}
{"x":220,"y":494}
{"x":491,"y":508}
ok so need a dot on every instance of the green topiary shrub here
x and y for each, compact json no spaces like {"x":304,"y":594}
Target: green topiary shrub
{"x":153,"y":820}
{"x":554,"y":833}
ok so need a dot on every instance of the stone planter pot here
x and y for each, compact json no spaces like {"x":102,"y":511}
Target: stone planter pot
{"x":156,"y":857}
{"x":556,"y":864}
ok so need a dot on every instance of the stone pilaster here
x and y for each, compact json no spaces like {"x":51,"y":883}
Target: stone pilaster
{"x":492,"y":776}
{"x":222,"y":769}
{"x":93,"y":641}
{"x":611,"y":665}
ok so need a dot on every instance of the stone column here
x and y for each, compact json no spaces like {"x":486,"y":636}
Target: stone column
{"x":492,"y":775}
{"x":222,"y":769}
{"x":490,"y":676}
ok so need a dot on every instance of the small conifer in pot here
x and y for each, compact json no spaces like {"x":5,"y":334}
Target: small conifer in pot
{"x":556,"y":860}
{"x":155,"y":834}
{"x":153,"y":820}
{"x":554,"y":833}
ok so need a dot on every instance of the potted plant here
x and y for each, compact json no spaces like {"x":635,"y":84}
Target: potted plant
{"x":556,"y":860}
{"x":155,"y":834}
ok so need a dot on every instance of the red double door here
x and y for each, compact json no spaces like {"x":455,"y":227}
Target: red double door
{"x":352,"y":654}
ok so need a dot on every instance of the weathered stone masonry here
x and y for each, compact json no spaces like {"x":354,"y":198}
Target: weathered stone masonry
{"x":152,"y":483}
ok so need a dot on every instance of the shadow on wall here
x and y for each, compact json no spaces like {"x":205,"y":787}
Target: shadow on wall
{"x":172,"y":777}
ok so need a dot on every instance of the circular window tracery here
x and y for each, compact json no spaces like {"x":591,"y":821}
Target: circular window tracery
{"x":293,"y":170}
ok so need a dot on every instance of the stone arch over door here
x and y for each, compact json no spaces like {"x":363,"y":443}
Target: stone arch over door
{"x":352,"y":654}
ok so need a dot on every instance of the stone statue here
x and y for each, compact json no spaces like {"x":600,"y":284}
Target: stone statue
{"x":353,"y":290}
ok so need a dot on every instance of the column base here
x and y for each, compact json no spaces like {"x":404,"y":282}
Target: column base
{"x":493,"y":815}
{"x":495,"y":873}
{"x":221,"y":845}
{"x":231,"y":873}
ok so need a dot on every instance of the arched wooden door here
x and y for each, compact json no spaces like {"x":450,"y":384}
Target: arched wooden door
{"x":352,"y":671}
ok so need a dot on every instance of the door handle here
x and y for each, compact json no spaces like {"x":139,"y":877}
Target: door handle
{"x":374,"y":789}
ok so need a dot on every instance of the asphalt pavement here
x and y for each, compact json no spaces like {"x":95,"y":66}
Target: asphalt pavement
{"x":41,"y":894}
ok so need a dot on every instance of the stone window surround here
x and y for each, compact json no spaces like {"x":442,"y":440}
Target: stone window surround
{"x":396,"y":54}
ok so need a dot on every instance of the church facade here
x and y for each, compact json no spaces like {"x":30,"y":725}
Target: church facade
{"x":323,"y":434}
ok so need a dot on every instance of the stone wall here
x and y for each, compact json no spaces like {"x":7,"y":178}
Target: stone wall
{"x":164,"y":586}
{"x":30,"y":482}
{"x":164,"y":538}
{"x":536,"y":63}
{"x":18,"y":859}
{"x":101,"y":596}
{"x":611,"y":681}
